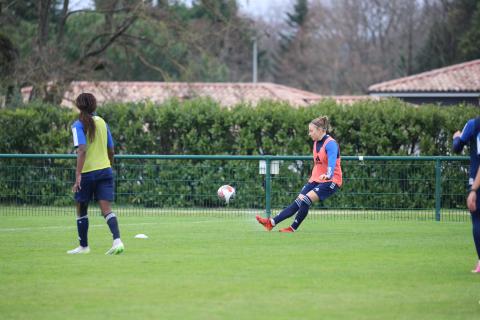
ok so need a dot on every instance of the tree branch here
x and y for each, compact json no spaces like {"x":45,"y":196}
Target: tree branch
{"x":110,"y":41}
{"x":144,"y":61}
{"x":126,"y":9}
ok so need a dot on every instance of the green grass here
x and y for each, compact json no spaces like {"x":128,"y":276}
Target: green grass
{"x":216,"y":268}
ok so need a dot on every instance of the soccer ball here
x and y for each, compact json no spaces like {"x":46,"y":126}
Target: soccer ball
{"x":226,"y":192}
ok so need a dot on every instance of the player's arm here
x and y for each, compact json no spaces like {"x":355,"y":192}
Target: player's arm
{"x":110,"y":146}
{"x":476,"y":182}
{"x":111,"y":153}
{"x":332,"y":153}
{"x":81,"y":156}
{"x":472,"y":194}
{"x":461,"y":138}
{"x":80,"y":143}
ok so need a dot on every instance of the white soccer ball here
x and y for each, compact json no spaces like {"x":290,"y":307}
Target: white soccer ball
{"x":226,"y":192}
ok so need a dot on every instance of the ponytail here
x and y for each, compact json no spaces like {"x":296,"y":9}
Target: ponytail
{"x":87,"y":104}
{"x":88,"y":124}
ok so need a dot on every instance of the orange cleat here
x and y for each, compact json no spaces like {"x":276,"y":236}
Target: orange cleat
{"x":288,"y":230}
{"x":265,"y":222}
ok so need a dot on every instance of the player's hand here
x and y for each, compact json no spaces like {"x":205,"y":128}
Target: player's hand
{"x":457,"y":134}
{"x":323,"y":177}
{"x":472,"y":201}
{"x":76,"y":187}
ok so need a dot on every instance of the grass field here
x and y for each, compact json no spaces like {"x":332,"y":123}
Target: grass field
{"x":215,"y":268}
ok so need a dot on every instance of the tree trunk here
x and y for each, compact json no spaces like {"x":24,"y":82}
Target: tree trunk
{"x":62,"y":22}
{"x":43,"y":15}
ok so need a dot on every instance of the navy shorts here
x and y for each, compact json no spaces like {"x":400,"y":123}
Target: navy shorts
{"x":322,"y":189}
{"x":98,"y":184}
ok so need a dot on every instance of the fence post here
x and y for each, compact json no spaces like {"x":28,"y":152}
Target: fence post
{"x":268,"y":184}
{"x":438,"y":189}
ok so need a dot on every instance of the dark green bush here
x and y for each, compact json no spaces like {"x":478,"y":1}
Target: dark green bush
{"x":387,"y":127}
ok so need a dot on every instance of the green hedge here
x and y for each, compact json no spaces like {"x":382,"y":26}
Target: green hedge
{"x":202,"y":127}
{"x":387,"y":127}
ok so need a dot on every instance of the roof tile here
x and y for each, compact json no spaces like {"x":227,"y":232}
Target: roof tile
{"x":226,"y":94}
{"x":463,"y":77}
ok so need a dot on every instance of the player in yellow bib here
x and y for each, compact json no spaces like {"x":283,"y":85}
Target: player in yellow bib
{"x":94,"y":175}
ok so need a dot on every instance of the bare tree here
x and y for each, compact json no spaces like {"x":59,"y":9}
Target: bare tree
{"x":346,"y":45}
{"x":47,"y":69}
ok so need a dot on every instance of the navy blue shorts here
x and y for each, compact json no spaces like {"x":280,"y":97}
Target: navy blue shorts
{"x":322,"y":189}
{"x":98,"y":184}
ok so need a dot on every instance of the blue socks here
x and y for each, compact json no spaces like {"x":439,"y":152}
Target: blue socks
{"x":302,"y":212}
{"x":476,"y":230}
{"x":302,"y":206}
{"x":112,"y":222}
{"x":82,"y":227}
{"x":288,"y":211}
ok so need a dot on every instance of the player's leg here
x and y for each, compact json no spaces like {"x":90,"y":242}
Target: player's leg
{"x":82,"y":228}
{"x":112,"y":222}
{"x":306,"y":201}
{"x":104,"y":194}
{"x":110,"y":218}
{"x":320,"y":192}
{"x":82,"y":198}
{"x":476,"y":232}
{"x":82,"y":223}
{"x":293,"y":208}
{"x":288,"y":211}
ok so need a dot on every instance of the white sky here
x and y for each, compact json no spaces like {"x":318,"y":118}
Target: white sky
{"x":266,"y":9}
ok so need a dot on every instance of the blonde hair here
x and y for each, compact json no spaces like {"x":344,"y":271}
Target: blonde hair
{"x":321,"y":122}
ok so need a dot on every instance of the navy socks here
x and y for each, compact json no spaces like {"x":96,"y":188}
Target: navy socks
{"x":302,"y":212}
{"x":112,"y":222}
{"x":82,"y":227}
{"x":476,"y":230}
{"x":302,"y":206}
{"x":288,"y":211}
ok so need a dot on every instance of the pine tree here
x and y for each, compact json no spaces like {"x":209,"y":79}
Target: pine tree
{"x":296,"y":21}
{"x":470,"y":42}
{"x":453,"y":29}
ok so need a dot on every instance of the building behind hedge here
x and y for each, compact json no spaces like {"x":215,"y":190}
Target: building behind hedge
{"x":456,"y":84}
{"x":225,"y":93}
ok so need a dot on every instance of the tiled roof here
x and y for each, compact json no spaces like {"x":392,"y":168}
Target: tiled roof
{"x":226,"y":94}
{"x":349,"y":100}
{"x":463,"y":77}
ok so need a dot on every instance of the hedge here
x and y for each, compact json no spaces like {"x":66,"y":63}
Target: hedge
{"x":387,"y":127}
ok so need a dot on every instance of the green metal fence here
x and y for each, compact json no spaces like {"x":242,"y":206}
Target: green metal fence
{"x":421,"y":188}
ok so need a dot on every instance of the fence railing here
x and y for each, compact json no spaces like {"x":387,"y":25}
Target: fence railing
{"x":374,"y":186}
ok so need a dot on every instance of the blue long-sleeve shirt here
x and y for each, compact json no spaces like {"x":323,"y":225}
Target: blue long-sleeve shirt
{"x":471,"y":136}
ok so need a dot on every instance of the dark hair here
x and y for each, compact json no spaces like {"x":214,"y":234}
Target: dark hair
{"x":321,"y":122}
{"x":87,"y":104}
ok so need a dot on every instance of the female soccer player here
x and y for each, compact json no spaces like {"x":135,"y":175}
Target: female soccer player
{"x":326,"y":177}
{"x":94,"y":176}
{"x":471,"y":135}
